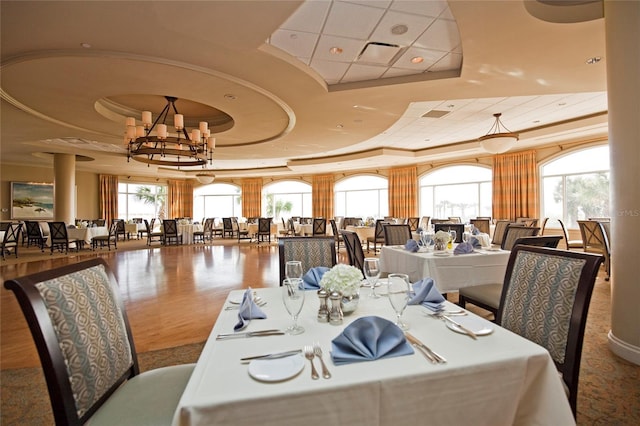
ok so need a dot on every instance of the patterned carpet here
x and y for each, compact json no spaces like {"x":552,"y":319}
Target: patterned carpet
{"x":609,"y":389}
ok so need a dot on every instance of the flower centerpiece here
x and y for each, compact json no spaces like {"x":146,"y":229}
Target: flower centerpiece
{"x":441,"y":239}
{"x":344,"y":279}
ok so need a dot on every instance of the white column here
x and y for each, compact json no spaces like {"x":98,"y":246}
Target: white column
{"x":622,"y":21}
{"x":64,"y":187}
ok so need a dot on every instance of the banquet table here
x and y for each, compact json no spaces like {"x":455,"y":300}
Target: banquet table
{"x":498,"y":379}
{"x":450,"y":272}
{"x":252,"y":228}
{"x":363,"y":232}
{"x":303,"y":229}
{"x":187,"y":230}
{"x":83,"y":235}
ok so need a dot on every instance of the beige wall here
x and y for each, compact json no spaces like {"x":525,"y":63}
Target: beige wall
{"x":87,"y":189}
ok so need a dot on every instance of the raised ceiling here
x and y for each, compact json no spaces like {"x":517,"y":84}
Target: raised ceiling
{"x":284,"y":103}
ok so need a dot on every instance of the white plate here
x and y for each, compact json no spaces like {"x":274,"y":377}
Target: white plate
{"x":441,"y":253}
{"x":479,"y":327}
{"x":492,"y":249}
{"x":276,"y":370}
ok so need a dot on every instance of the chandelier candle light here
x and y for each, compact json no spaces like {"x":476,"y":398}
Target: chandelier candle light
{"x":499,"y":139}
{"x":161,"y":148}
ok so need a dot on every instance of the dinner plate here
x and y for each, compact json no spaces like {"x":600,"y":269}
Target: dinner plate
{"x":493,"y":249}
{"x":276,"y":370}
{"x":479,"y":327}
{"x":441,"y":253}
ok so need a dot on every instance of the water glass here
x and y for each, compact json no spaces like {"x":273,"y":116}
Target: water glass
{"x":372,"y":274}
{"x":399,"y":289}
{"x":293,"y":269}
{"x":293,"y":298}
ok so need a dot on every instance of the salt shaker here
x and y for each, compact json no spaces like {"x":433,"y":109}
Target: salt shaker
{"x":335,"y":316}
{"x":323,"y":312}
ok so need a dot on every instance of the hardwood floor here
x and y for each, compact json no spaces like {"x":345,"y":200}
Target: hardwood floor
{"x":172,"y":294}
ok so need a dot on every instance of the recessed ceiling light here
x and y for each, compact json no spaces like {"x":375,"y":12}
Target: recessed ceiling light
{"x":399,"y":29}
{"x":230,"y":97}
{"x":593,"y":60}
{"x":293,"y":36}
{"x":417,"y":59}
{"x":335,"y":50}
{"x":339,"y":126}
{"x":85,"y":45}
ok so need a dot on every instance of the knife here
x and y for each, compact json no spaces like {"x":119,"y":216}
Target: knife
{"x":425,"y":350}
{"x":461,"y":327}
{"x":250,"y":334}
{"x":272,"y":356}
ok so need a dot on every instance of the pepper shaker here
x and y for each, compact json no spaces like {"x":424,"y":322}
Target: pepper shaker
{"x":323,"y":312}
{"x":335,"y":316}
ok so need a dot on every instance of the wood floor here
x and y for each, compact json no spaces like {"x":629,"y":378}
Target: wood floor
{"x":172,"y":294}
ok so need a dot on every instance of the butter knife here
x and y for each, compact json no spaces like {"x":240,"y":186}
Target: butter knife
{"x":461,"y":327}
{"x":250,"y":334}
{"x":272,"y":356}
{"x":432,"y":356}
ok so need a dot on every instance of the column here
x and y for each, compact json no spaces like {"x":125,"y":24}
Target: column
{"x":64,"y":187}
{"x":622,"y":23}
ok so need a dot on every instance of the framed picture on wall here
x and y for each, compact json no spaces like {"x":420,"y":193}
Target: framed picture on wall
{"x":31,"y":201}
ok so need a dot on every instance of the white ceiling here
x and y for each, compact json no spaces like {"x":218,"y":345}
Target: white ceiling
{"x":296,"y":108}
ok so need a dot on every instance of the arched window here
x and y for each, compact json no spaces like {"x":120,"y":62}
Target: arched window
{"x":286,"y":199}
{"x":141,"y":200}
{"x":362,"y":196}
{"x":576,"y":186}
{"x":463,"y":191}
{"x":217,"y":200}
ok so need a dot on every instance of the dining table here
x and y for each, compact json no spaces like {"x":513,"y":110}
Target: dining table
{"x":499,"y":378}
{"x":363,"y":232}
{"x":82,"y":235}
{"x":449,"y":271}
{"x":187,"y":230}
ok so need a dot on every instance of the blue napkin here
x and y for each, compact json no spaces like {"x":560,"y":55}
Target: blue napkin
{"x":463,"y":248}
{"x":427,"y":295}
{"x":475,"y":242}
{"x":475,"y":231}
{"x":248,"y":310}
{"x":311,"y":280}
{"x":368,"y":339}
{"x":411,"y":245}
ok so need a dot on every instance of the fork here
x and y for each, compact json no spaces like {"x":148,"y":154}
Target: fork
{"x":309,"y":354}
{"x":317,"y":350}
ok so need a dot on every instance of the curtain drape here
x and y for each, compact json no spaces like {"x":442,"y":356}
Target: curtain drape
{"x":403,"y":196}
{"x":180,"y":198}
{"x":515,"y":185}
{"x":322,"y":196}
{"x":108,"y":198}
{"x":252,"y":197}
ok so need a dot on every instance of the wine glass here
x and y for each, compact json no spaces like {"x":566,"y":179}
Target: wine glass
{"x":293,"y":298}
{"x":372,"y":273}
{"x":293,"y":269}
{"x":453,"y":235}
{"x":399,"y":288}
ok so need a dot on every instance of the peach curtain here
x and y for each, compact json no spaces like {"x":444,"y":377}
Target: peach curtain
{"x":108,"y":197}
{"x":322,"y":196}
{"x":515,"y":185}
{"x":252,"y":197}
{"x":180,"y":198}
{"x":403,"y":192}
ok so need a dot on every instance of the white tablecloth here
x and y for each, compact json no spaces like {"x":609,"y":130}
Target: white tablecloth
{"x":252,"y":228}
{"x":363,"y":231}
{"x":451,"y":272}
{"x":499,"y":379}
{"x":187,"y":231}
{"x":82,"y":234}
{"x":304,"y":229}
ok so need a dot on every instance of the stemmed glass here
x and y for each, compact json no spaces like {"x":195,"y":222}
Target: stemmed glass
{"x":399,"y":288}
{"x":453,"y":236}
{"x":293,"y":269}
{"x":372,"y":273}
{"x":293,"y":298}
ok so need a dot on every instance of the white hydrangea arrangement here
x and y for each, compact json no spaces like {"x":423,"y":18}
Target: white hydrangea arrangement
{"x":442,"y":237}
{"x":343,"y":278}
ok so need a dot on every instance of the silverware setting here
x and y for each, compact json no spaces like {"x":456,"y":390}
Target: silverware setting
{"x":235,"y":305}
{"x":245,"y":334}
{"x":438,"y":314}
{"x":429,"y":354}
{"x":460,"y":326}
{"x":309,"y":354}
{"x":275,"y":355}
{"x":317,"y":350}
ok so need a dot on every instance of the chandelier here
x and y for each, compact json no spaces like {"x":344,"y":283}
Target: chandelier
{"x":164,"y":149}
{"x":499,"y":139}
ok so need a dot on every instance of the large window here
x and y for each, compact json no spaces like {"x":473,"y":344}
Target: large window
{"x":217,"y":200}
{"x":463,"y":191}
{"x":362,"y":196}
{"x":285,"y":199}
{"x":576,"y":186}
{"x":138,"y":200}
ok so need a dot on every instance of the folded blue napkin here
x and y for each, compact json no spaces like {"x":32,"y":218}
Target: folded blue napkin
{"x":463,"y":248}
{"x":367,"y":339}
{"x":427,"y":295}
{"x":475,"y":242}
{"x":475,"y":231}
{"x":311,"y":280}
{"x":411,"y":245}
{"x":248,"y":310}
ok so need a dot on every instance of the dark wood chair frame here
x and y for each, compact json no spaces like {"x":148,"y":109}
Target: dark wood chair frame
{"x":34,"y":234}
{"x":59,"y":238}
{"x":170,"y":232}
{"x":395,"y":234}
{"x":354,"y":249}
{"x":458,"y":227}
{"x":11,"y":239}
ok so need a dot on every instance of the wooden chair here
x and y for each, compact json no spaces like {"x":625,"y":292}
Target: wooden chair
{"x":458,"y":227}
{"x":596,"y":240}
{"x":319,"y":226}
{"x":414,"y":223}
{"x":513,"y":232}
{"x":90,"y":365}
{"x":336,"y":235}
{"x":10,"y":241}
{"x":571,"y":244}
{"x":378,"y":235}
{"x":498,"y":231}
{"x":396,"y":235}
{"x":482,"y":225}
{"x":286,"y":230}
{"x":354,"y":249}
{"x":455,"y":219}
{"x":59,"y":239}
{"x":544,"y":225}
{"x":264,"y":229}
{"x":151,"y":235}
{"x":34,"y":234}
{"x":424,"y":223}
{"x":545,"y":299}
{"x":243,"y":234}
{"x":312,"y":252}
{"x":206,"y":233}
{"x":227,"y":228}
{"x":121,"y":229}
{"x":111,"y":237}
{"x":170,"y":232}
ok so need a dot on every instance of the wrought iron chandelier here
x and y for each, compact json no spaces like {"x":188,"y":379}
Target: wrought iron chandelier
{"x":161,"y":148}
{"x":499,"y":139}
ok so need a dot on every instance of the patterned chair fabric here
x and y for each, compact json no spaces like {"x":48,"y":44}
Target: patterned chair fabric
{"x":311,"y":251}
{"x":545,"y":298}
{"x":396,"y":235}
{"x":512,"y":233}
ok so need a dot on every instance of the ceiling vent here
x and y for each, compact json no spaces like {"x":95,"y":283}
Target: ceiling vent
{"x":376,"y":53}
{"x":434,"y":113}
